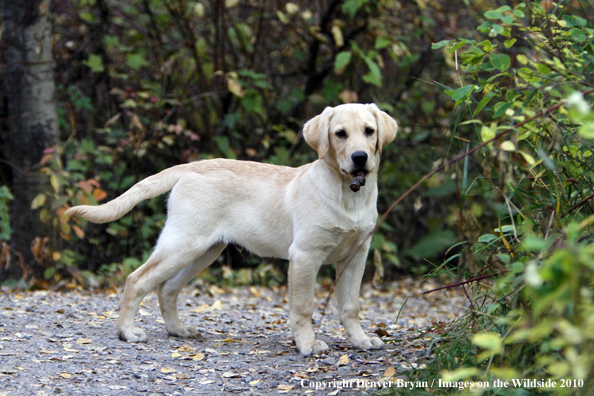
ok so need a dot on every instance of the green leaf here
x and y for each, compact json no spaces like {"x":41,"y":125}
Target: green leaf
{"x":490,"y":340}
{"x":342,"y":60}
{"x":493,"y":14}
{"x":440,"y":44}
{"x":587,"y":130}
{"x":500,"y":108}
{"x":578,"y":35}
{"x":136,"y":61}
{"x":501,"y":61}
{"x":375,"y":75}
{"x":432,"y":243}
{"x":543,"y":69}
{"x":95,"y":63}
{"x":487,"y":133}
{"x":486,"y":238}
{"x":463,"y":93}
{"x":382,"y":42}
{"x":483,"y":103}
{"x":509,"y":43}
{"x":352,"y":6}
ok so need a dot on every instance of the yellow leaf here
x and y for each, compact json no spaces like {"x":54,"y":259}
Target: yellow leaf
{"x":167,"y":370}
{"x":99,"y":194}
{"x":229,"y":339}
{"x":254,"y":382}
{"x":508,"y":146}
{"x":389,"y":372}
{"x":284,"y":388}
{"x":185,"y":348}
{"x":55,"y":183}
{"x":65,"y":375}
{"x":216,"y":306}
{"x":175,"y":355}
{"x":337,"y":34}
{"x":84,"y":341}
{"x":198,"y":356}
{"x":38,"y":201}
{"x":231,"y":3}
{"x":291,"y":8}
{"x":56,"y":256}
{"x":199,"y":10}
{"x":529,"y":159}
{"x":234,"y":87}
{"x":343,"y":361}
{"x":78,"y":231}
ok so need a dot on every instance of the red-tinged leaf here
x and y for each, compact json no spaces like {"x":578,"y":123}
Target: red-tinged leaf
{"x":78,"y":231}
{"x":86,"y":186}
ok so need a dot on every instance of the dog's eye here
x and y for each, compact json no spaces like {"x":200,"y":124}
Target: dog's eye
{"x":341,"y":134}
{"x":369,"y":131}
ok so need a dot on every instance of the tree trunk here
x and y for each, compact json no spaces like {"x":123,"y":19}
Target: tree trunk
{"x":32,"y":120}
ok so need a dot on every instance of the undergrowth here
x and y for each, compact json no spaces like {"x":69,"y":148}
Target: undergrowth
{"x":525,"y":99}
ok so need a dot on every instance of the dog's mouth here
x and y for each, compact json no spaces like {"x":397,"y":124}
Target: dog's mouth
{"x":358,"y":178}
{"x":355,"y":172}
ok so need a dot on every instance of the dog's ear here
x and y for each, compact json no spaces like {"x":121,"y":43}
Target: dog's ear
{"x":316,"y":130}
{"x":386,"y":127}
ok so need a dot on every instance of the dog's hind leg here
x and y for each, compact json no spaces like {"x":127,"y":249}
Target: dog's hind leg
{"x":169,"y":290}
{"x":171,"y":256}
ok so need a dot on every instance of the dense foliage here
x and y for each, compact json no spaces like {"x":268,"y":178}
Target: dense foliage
{"x":145,"y":84}
{"x":525,"y":100}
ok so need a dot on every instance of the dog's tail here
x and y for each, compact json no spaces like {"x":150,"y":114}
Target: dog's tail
{"x":148,"y":188}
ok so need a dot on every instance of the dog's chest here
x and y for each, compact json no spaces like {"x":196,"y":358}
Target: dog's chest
{"x":344,"y":242}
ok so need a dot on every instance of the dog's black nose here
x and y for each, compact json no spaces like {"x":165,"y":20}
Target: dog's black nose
{"x":359,"y":158}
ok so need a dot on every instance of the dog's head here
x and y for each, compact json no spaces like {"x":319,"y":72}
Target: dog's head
{"x":353,"y":135}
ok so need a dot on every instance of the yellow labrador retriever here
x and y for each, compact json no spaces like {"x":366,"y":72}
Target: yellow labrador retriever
{"x":309,"y":215}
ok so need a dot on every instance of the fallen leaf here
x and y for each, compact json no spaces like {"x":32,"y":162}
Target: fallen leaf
{"x":206,"y":382}
{"x":185,"y":348}
{"x":254,"y":382}
{"x":182,"y":376}
{"x":198,"y":356}
{"x":65,"y":375}
{"x":167,"y":370}
{"x":343,"y":361}
{"x":175,"y":355}
{"x":389,"y":372}
{"x":84,"y":341}
{"x":284,"y":388}
{"x":230,"y":374}
{"x":216,"y":306}
{"x":229,"y":339}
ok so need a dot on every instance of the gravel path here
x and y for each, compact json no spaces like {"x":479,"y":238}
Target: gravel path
{"x":66,"y":343}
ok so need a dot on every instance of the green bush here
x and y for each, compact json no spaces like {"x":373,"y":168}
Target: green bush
{"x":524,"y":99}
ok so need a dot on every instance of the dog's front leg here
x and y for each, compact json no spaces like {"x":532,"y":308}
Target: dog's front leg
{"x":303,"y":269}
{"x":347,"y":293}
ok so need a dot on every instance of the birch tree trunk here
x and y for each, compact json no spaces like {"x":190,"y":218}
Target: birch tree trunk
{"x":32,"y":120}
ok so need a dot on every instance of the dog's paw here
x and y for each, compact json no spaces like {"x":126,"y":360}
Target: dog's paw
{"x":183,"y":331}
{"x":133,"y":334}
{"x":316,"y":347}
{"x":368,"y":343}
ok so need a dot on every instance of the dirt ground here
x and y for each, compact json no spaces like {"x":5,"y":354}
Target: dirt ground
{"x":66,"y":343}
